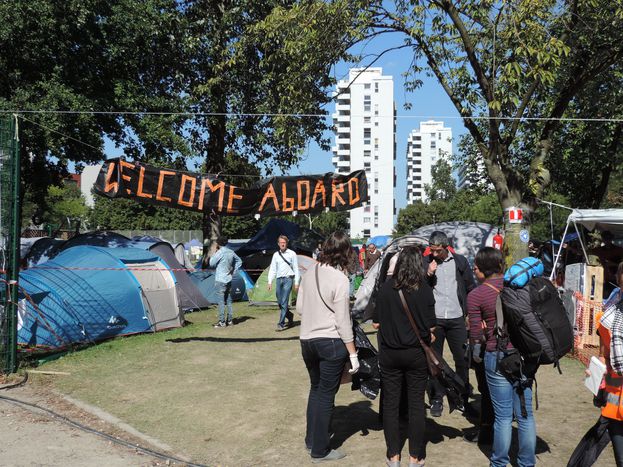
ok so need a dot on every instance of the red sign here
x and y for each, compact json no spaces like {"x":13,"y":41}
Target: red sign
{"x":515,"y":215}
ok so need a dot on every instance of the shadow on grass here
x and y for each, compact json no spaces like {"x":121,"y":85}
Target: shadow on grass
{"x":358,"y":417}
{"x":250,"y":340}
{"x":541,"y":447}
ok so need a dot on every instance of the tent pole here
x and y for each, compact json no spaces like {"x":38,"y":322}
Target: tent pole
{"x":551,"y":275}
{"x":581,"y":242}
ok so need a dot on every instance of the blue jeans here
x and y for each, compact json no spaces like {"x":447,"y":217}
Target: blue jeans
{"x":284,"y":287}
{"x":223,"y":296}
{"x":325,"y":359}
{"x":506,"y":403}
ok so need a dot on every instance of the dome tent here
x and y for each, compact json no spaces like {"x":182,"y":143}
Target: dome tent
{"x":87,"y":294}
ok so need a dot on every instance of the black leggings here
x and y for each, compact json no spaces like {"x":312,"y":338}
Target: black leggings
{"x":615,"y":430}
{"x":397,"y":368}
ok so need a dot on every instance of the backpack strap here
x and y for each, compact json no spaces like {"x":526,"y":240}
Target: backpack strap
{"x":319,"y":293}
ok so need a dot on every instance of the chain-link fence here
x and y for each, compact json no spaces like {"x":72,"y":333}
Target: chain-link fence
{"x":172,"y":236}
{"x":9,"y":241}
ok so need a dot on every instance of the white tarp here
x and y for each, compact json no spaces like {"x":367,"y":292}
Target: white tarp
{"x":602,"y":219}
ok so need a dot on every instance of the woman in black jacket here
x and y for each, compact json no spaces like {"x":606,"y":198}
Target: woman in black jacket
{"x":401,"y":357}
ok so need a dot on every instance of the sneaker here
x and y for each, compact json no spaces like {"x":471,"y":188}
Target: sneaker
{"x":280,"y":328}
{"x":333,"y":455}
{"x":220,"y":324}
{"x":436,"y":408}
{"x":230,"y":322}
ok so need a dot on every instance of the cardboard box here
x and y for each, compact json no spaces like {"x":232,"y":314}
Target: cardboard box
{"x":586,"y":279}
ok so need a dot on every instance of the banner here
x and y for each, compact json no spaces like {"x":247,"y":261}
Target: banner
{"x":269,"y":197}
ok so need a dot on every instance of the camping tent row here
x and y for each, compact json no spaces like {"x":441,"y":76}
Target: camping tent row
{"x":195,"y":288}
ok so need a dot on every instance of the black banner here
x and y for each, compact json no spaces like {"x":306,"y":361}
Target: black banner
{"x":270,"y":197}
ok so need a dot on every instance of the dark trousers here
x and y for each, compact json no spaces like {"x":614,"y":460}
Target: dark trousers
{"x":487,"y":415}
{"x":325,"y":359}
{"x":397,"y":367}
{"x":615,"y":430}
{"x":454,"y":331}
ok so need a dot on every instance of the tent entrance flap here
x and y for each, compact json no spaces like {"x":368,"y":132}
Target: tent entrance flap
{"x":159,"y":295}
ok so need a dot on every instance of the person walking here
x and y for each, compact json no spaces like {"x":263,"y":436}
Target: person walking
{"x":227,"y":264}
{"x":401,"y":357}
{"x":327,"y":341}
{"x":285,"y":268}
{"x":489,"y":272}
{"x":451,"y":278}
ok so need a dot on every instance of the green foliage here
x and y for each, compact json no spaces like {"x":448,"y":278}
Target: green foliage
{"x":443,"y":186}
{"x":324,"y":223}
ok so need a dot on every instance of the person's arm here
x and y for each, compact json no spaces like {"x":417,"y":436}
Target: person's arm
{"x":475,"y":318}
{"x":272,"y":271}
{"x":237,"y":263}
{"x":215,"y":258}
{"x":341,"y":306}
{"x":295,"y":267}
{"x":300,"y":299}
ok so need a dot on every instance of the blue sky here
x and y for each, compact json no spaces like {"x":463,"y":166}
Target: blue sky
{"x":430,"y":101}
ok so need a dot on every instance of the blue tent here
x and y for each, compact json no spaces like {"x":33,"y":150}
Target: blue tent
{"x":204,"y":280}
{"x":96,"y":299}
{"x":380,"y":241}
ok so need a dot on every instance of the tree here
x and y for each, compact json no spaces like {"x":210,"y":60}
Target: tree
{"x":495,"y":60}
{"x":246,"y":88}
{"x":443,"y":186}
{"x":95,"y":58}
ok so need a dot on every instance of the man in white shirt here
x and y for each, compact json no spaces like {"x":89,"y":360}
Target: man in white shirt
{"x":284,"y":267}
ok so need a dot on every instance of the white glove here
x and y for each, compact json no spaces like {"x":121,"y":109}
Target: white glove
{"x":354,"y":363}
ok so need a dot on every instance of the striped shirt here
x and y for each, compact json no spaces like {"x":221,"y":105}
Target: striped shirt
{"x":481,"y":307}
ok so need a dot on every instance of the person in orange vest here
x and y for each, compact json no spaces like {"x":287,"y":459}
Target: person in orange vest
{"x":610,"y":396}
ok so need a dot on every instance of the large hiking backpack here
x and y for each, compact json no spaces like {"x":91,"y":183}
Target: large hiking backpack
{"x":536,"y":321}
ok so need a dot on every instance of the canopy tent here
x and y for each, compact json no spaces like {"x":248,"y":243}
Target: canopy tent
{"x":465,"y":237}
{"x":380,"y":241}
{"x":260,"y":295}
{"x":87,"y":294}
{"x":601,"y":219}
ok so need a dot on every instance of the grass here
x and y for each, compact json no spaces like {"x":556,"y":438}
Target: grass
{"x":237,"y":396}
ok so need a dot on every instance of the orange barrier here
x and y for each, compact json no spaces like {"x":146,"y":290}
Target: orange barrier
{"x":586,"y":342}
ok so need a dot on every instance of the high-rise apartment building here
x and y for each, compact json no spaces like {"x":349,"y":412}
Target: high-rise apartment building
{"x":365,"y":138}
{"x":424,"y":148}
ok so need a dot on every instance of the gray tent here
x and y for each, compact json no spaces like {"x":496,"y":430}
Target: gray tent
{"x":466,"y":237}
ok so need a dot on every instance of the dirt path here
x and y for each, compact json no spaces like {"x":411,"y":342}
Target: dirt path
{"x":31,"y":437}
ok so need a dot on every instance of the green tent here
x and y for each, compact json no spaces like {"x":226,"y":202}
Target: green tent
{"x":260,"y":295}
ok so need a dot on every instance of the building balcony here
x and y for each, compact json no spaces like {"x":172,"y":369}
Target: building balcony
{"x":343,"y":139}
{"x":343,"y":129}
{"x":341,"y":152}
{"x":342,"y":107}
{"x":343,"y":164}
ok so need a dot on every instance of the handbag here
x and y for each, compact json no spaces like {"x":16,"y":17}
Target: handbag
{"x":435,"y":363}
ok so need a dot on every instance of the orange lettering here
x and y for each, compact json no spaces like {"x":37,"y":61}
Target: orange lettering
{"x":127,"y":178}
{"x":353,"y":187}
{"x":232,"y":197}
{"x":336,"y":189}
{"x":303,"y":202}
{"x":163,"y":173}
{"x":207,"y":183}
{"x":139,"y":191}
{"x":288,"y":203}
{"x":114,"y":186}
{"x":319,"y":190}
{"x":270,"y":193}
{"x":193,"y":184}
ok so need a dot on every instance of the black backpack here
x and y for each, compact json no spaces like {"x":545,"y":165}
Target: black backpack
{"x":536,"y":323}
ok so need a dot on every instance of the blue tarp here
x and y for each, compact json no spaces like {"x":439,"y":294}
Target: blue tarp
{"x":77,"y":306}
{"x":380,"y":241}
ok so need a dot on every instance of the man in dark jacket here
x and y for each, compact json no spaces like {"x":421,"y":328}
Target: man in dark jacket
{"x":451,"y":278}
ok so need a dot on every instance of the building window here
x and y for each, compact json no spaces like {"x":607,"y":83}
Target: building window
{"x":366,"y":220}
{"x":366,"y":165}
{"x":367,"y":153}
{"x":366,"y":119}
{"x":366,"y":209}
{"x":366,"y":86}
{"x":376,"y":123}
{"x":433,"y":144}
{"x":439,"y":136}
{"x":417,"y":162}
{"x":418,"y":138}
{"x":367,"y":132}
{"x":366,"y":232}
{"x":376,"y":87}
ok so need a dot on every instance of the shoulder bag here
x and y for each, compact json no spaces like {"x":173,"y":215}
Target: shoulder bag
{"x":435,"y":363}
